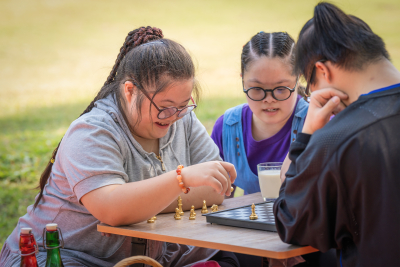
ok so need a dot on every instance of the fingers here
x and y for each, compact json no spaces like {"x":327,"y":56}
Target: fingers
{"x":230,"y":168}
{"x":328,"y":93}
{"x":105,"y":234}
{"x":224,"y":181}
{"x":226,"y":177}
{"x":328,"y":109}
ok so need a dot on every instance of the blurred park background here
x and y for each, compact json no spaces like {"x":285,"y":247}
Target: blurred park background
{"x":56,"y":54}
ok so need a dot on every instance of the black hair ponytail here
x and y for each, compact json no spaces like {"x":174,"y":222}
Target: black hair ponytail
{"x":343,"y":39}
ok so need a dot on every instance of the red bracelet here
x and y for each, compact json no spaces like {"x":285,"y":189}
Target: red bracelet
{"x":179,"y":178}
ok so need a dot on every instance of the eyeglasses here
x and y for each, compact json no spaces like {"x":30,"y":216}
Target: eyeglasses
{"x":310,"y":81}
{"x":165,"y":113}
{"x":279,"y":93}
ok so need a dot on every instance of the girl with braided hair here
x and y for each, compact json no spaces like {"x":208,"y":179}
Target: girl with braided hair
{"x":262,"y":129}
{"x":119,"y":162}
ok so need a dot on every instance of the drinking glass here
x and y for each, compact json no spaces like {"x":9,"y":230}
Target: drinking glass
{"x":269,"y":178}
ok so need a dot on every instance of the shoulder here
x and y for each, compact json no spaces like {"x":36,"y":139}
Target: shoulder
{"x":216,"y":133}
{"x":301,"y":108}
{"x":233,"y":115}
{"x":219,"y":124}
{"x":362,"y":120}
{"x":97,"y":126}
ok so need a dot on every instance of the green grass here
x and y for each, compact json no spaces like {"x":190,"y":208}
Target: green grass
{"x":55,"y":55}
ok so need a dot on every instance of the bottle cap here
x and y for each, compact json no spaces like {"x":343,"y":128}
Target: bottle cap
{"x":26,"y":231}
{"x":51,"y":227}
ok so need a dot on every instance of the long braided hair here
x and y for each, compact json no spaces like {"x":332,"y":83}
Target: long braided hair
{"x":275,"y":44}
{"x":152,"y":62}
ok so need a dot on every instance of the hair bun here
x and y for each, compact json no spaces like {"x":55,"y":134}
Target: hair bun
{"x":147,"y":34}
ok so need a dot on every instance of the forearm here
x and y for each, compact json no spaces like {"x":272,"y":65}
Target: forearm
{"x":133,"y":202}
{"x":138,"y":201}
{"x":195,"y":197}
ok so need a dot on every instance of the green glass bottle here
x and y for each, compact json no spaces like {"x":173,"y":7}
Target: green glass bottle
{"x":51,"y":242}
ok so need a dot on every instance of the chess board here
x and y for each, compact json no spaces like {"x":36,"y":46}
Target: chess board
{"x":239,"y":217}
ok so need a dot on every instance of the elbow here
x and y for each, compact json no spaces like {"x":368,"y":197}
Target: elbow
{"x":111,"y":218}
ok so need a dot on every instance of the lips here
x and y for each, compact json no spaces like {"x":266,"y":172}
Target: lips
{"x":162,"y":125}
{"x":271,"y":109}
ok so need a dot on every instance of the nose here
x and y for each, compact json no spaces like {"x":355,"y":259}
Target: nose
{"x":268,"y":98}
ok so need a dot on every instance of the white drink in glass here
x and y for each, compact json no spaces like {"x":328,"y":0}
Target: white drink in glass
{"x":270,"y":183}
{"x":269,"y":178}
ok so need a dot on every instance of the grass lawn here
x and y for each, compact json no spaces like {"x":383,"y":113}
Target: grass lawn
{"x":55,"y":55}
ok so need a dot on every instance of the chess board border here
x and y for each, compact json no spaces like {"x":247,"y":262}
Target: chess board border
{"x":256,"y":224}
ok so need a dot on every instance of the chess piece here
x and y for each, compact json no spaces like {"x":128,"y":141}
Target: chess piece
{"x":180,"y":205}
{"x":231,"y":189}
{"x":151,"y":220}
{"x":154,"y":218}
{"x":204,"y":208}
{"x":253,"y":215}
{"x":177,"y":215}
{"x":214,"y":208}
{"x":192,"y":214}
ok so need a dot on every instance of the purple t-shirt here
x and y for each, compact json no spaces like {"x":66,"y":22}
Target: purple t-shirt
{"x":273,"y":149}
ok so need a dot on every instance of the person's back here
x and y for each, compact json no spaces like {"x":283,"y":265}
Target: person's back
{"x":341,"y":190}
{"x":357,"y":155}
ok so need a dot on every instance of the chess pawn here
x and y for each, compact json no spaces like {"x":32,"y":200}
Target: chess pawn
{"x":151,"y":220}
{"x":192,"y":214}
{"x":180,"y":205}
{"x":204,"y":208}
{"x":214,"y":208}
{"x":253,"y":215}
{"x":154,"y":218}
{"x":177,"y":215}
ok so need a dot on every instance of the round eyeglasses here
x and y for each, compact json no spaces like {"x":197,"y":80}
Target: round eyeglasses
{"x":165,"y":113}
{"x":279,"y":93}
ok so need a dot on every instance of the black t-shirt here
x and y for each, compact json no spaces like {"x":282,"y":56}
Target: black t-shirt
{"x":342,"y":189}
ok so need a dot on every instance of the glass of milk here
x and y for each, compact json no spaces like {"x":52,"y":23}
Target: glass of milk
{"x":269,"y":178}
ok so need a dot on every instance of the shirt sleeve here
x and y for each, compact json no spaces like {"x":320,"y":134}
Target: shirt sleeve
{"x":216,"y":135}
{"x":201,"y":146}
{"x":306,"y":209}
{"x":90,"y":157}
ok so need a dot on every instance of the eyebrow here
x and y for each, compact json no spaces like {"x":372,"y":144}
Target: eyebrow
{"x":171,"y":101}
{"x":279,"y":82}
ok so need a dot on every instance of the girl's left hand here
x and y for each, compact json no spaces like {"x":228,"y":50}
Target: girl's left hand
{"x":323,"y":104}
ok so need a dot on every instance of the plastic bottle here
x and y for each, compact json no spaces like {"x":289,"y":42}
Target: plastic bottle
{"x":28,"y":248}
{"x":53,"y":243}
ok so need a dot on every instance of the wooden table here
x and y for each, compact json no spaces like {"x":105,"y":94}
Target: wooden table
{"x":202,"y":234}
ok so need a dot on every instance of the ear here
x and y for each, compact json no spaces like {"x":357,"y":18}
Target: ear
{"x":129,"y":91}
{"x":323,"y":71}
{"x":241,"y":75}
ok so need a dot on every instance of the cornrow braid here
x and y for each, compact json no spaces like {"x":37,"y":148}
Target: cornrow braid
{"x":133,"y":39}
{"x":275,"y":44}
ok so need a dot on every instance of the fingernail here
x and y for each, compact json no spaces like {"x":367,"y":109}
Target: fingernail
{"x":335,"y":100}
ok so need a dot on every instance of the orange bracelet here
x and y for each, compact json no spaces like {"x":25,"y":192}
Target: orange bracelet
{"x":179,"y":178}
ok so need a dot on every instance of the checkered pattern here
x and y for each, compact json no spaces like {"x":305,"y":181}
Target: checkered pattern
{"x":264,"y":212}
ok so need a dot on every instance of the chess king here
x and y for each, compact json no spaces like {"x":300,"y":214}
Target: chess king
{"x":127,"y":147}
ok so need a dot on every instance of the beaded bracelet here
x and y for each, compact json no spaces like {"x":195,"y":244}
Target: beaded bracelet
{"x":179,"y":178}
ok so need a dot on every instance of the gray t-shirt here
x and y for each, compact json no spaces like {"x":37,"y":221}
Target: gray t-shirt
{"x":98,"y":150}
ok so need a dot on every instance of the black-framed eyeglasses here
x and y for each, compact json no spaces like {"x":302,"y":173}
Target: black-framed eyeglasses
{"x":311,"y":78}
{"x":279,"y":93}
{"x":165,"y":113}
